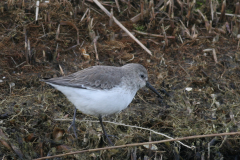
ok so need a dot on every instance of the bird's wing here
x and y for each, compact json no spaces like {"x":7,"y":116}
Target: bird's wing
{"x":96,"y":77}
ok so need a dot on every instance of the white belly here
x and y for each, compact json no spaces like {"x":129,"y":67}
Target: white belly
{"x":98,"y":102}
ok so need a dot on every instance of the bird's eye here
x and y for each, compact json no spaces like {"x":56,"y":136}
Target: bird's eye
{"x":142,"y":76}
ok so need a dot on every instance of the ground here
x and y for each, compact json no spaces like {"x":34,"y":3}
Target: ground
{"x":196,"y":68}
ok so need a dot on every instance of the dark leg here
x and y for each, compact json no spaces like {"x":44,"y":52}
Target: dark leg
{"x":73,"y":123}
{"x":104,"y":132}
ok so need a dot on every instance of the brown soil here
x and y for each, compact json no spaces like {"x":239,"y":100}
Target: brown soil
{"x":30,"y":109}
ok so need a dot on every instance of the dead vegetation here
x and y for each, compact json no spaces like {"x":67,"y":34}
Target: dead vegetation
{"x":191,"y":49}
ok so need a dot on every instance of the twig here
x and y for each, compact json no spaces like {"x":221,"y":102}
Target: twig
{"x":228,"y":14}
{"x":95,"y":46}
{"x":121,"y":26}
{"x":184,"y":70}
{"x":211,"y":6}
{"x":214,"y":53}
{"x":111,"y":18}
{"x":58,"y":31}
{"x":37,"y":10}
{"x":139,"y":144}
{"x":61,"y":70}
{"x":141,"y":98}
{"x":20,"y":64}
{"x":142,"y":9}
{"x":138,"y":17}
{"x":131,"y":58}
{"x":117,"y":4}
{"x":28,"y":51}
{"x":26,"y":43}
{"x":43,"y":30}
{"x":126,"y":125}
{"x":153,"y":35}
{"x":153,"y":41}
{"x":14,"y":61}
{"x":84,"y":15}
{"x":17,"y":114}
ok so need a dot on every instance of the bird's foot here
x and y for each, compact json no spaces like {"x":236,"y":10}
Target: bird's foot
{"x":74,"y":128}
{"x":109,"y":140}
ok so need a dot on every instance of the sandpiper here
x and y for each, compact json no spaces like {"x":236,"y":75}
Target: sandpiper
{"x":102,"y":90}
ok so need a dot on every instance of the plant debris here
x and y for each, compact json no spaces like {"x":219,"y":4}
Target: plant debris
{"x":191,"y":51}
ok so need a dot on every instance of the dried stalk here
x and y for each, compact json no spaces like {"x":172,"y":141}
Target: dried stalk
{"x":138,"y":17}
{"x":84,"y":15}
{"x":26,"y":44}
{"x":129,"y":7}
{"x":58,"y":31}
{"x":121,"y":26}
{"x":142,"y":9}
{"x":117,"y":4}
{"x":214,"y":53}
{"x":111,"y":18}
{"x":190,"y":7}
{"x":153,"y":35}
{"x":61,"y":70}
{"x":131,"y":126}
{"x":37,"y":10}
{"x":95,"y":47}
{"x":165,"y":35}
{"x":211,"y":6}
{"x":55,"y":53}
{"x":28,"y":50}
{"x":207,"y":25}
{"x":237,"y":10}
{"x":228,"y":14}
{"x":222,"y":16}
{"x":140,"y":144}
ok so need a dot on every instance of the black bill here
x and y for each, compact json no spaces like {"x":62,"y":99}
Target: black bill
{"x":153,"y":89}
